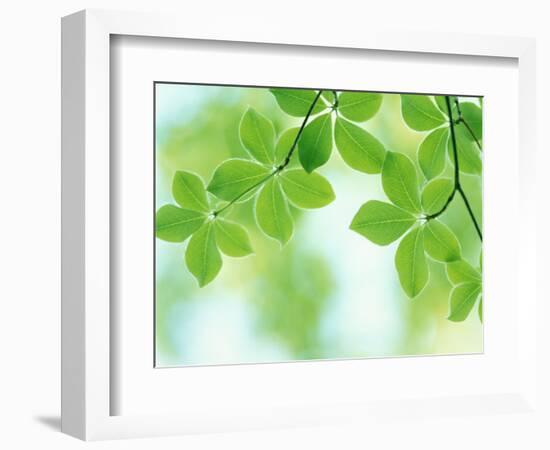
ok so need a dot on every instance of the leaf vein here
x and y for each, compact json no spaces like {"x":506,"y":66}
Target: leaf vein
{"x":179,"y":222}
{"x":412,"y":105}
{"x":305,"y":188}
{"x":197,"y":199}
{"x":462,"y":305}
{"x":359,"y":145}
{"x":262,"y":143}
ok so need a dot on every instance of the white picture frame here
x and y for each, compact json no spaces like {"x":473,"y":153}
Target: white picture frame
{"x":87,"y":328}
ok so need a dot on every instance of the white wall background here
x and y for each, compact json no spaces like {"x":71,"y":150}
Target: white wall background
{"x":30,"y":193}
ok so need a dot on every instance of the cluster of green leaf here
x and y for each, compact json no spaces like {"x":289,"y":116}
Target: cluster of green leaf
{"x":467,"y":288}
{"x":415,"y":206}
{"x":357,"y":147}
{"x":268,"y":176}
{"x":193,"y":218}
{"x":282,"y":170}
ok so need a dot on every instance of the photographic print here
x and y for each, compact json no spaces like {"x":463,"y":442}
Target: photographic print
{"x":312,"y":224}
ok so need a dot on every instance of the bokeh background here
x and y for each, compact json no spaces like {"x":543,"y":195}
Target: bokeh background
{"x":329,"y":293}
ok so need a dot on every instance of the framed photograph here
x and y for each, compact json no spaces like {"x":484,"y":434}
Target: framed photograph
{"x":248,"y":173}
{"x":265,"y":228}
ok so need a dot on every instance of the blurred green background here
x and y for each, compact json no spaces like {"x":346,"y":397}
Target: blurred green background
{"x":329,"y":293}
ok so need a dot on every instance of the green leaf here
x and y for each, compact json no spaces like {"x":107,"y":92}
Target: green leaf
{"x":189,"y":192}
{"x":400,"y":183}
{"x":174,"y":224}
{"x":469,"y":156}
{"x":202,"y":257}
{"x":232,"y":238}
{"x":283,"y":146}
{"x":272,"y":212}
{"x":306,"y":190}
{"x":329,"y":97}
{"x":471,"y":113}
{"x":442,"y":105}
{"x":440,"y":242}
{"x":410,"y":262}
{"x":463,"y":299}
{"x":258,"y":136}
{"x":435,"y":195}
{"x":235,"y":176}
{"x":358,"y":148}
{"x":420,"y":112}
{"x":359,"y":106}
{"x":315,"y":144}
{"x":381,"y":223}
{"x":297,"y":102}
{"x":432,"y":153}
{"x":480,"y":310}
{"x":461,"y":271}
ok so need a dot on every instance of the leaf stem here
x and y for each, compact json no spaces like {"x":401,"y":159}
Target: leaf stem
{"x":470,"y":211}
{"x":461,"y":119}
{"x":444,"y":207}
{"x":297,"y":138}
{"x":457,"y":185}
{"x":453,"y":141}
{"x":242,"y":194}
{"x":335,"y":105}
{"x":280,"y":168}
